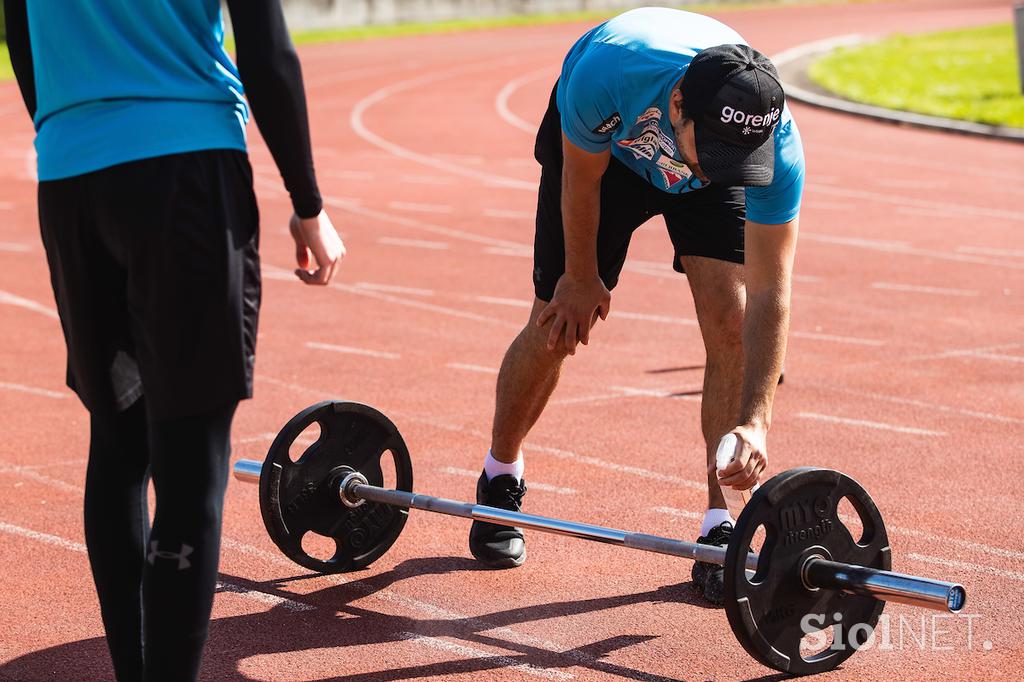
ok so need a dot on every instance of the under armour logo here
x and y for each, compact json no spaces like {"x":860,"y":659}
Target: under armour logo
{"x":155,"y":553}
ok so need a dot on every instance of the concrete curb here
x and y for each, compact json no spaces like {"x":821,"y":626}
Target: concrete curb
{"x":794,"y":62}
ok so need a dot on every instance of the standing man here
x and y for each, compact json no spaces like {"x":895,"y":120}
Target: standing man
{"x":151,"y":230}
{"x":659,"y":112}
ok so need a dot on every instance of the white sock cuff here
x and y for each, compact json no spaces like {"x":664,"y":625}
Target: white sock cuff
{"x":715,"y":517}
{"x":493,"y":467}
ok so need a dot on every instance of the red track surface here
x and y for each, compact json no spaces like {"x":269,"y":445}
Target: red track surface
{"x":904,"y":371}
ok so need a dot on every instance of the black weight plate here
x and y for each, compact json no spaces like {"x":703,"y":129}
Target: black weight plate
{"x":799,"y":512}
{"x":299,"y":497}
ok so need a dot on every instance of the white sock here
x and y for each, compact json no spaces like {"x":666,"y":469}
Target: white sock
{"x":493,"y":467}
{"x":715,"y":517}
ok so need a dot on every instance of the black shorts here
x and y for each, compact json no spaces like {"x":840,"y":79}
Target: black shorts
{"x":706,"y":222}
{"x":155,"y":269}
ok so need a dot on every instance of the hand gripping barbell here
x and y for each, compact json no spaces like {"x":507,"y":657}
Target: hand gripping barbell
{"x":809,"y":563}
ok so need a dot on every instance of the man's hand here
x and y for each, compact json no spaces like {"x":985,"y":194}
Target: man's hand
{"x":316,"y":239}
{"x":575,"y":307}
{"x":750,"y":461}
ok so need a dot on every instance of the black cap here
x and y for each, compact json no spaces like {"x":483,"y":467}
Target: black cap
{"x":733,"y":95}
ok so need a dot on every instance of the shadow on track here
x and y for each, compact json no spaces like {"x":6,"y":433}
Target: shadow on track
{"x":337,"y":622}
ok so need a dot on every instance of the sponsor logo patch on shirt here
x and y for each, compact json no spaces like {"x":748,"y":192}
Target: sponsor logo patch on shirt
{"x":609,"y":124}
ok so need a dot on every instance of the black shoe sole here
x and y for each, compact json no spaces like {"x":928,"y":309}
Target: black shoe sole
{"x":504,"y":562}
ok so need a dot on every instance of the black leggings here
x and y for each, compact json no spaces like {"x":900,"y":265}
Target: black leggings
{"x":156,"y":585}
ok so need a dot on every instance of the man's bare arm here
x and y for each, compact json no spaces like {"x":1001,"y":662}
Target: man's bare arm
{"x":768,"y":269}
{"x":580,"y":296}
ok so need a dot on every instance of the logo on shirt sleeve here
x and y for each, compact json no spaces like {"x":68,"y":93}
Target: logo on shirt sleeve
{"x":609,"y":124}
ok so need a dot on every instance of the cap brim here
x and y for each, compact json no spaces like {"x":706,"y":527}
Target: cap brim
{"x":729,"y":164}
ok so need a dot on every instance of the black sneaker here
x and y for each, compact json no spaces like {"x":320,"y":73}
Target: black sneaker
{"x":709,"y":579}
{"x":494,"y":545}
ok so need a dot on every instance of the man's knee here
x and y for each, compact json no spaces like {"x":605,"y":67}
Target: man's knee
{"x":722,"y":328}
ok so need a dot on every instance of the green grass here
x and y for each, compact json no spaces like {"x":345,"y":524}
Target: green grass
{"x":6,"y":72}
{"x":965,"y":74}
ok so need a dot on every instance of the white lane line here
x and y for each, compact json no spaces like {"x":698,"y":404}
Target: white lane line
{"x":907,"y":201}
{"x":534,"y":485}
{"x":31,"y":474}
{"x":987,"y":416}
{"x":664,"y":319}
{"x":14,"y":247}
{"x":517,"y":252}
{"x":904,"y":248}
{"x":63,"y":543}
{"x":263,"y":597}
{"x":997,"y":357}
{"x":7,"y":386}
{"x":420,"y":208}
{"x":413,"y":243}
{"x":353,"y":351}
{"x":444,"y":310}
{"x":420,"y":225}
{"x":918,"y":289}
{"x":358,"y":124}
{"x":992,"y":251}
{"x":45,"y":538}
{"x":685,"y":513}
{"x":626,"y":315}
{"x":499,"y":660}
{"x":967,"y":566}
{"x":498,"y":300}
{"x":869,"y":424}
{"x":471,"y":368}
{"x":915,"y":160}
{"x":658,"y":393}
{"x":393,"y":289}
{"x":815,"y":336}
{"x":964,"y":352}
{"x":258,"y":438}
{"x":509,"y":215}
{"x":501,"y":100}
{"x":7,"y":298}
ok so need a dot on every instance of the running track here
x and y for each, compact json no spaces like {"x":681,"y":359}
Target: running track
{"x":904,"y":370}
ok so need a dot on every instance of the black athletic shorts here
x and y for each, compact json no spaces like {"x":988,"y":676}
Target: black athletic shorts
{"x":155,"y":269}
{"x":706,"y":222}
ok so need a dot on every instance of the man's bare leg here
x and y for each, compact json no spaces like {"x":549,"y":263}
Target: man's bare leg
{"x":719,"y":296}
{"x":526,"y":381}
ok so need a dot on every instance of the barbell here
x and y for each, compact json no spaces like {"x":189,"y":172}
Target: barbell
{"x":811,"y":573}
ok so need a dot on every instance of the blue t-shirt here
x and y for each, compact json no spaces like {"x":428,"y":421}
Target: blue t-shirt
{"x":614,"y":93}
{"x":119,"y":81}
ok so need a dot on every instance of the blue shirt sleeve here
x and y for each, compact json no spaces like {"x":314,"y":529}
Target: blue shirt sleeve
{"x":588,"y":96}
{"x":779,"y":202}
